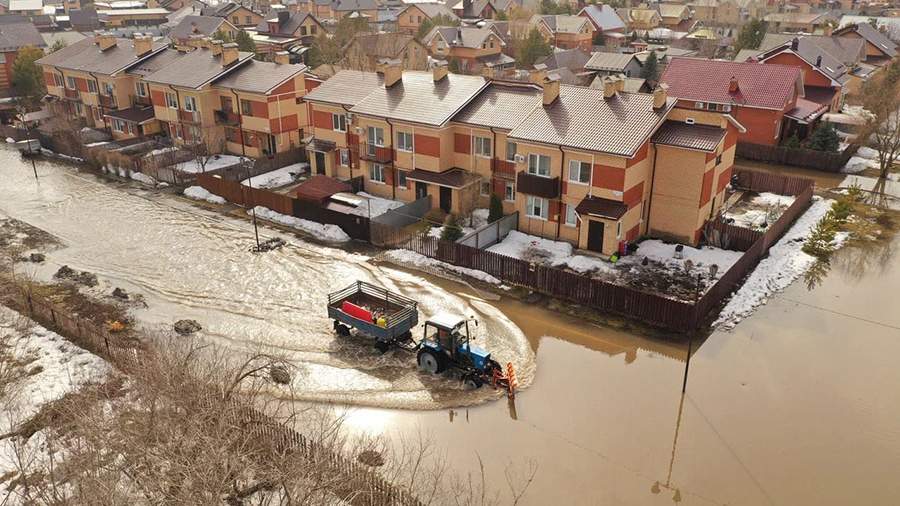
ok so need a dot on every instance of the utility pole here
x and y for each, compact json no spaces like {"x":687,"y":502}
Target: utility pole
{"x":252,"y":209}
{"x":687,"y":362}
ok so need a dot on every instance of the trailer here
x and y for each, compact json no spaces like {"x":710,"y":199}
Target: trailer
{"x":374,"y":312}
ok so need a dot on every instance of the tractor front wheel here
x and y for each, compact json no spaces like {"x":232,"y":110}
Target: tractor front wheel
{"x":472,"y":382}
{"x":430,"y":362}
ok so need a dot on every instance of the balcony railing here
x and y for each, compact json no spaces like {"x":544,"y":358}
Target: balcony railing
{"x":538,"y":186}
{"x":141,"y":101}
{"x":503,"y":167}
{"x":108,"y":101}
{"x":70,"y":93}
{"x":375,"y":153}
{"x":226,"y":118}
{"x":188,"y":116}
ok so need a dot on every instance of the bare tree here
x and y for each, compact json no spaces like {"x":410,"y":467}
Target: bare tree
{"x":881,"y":98}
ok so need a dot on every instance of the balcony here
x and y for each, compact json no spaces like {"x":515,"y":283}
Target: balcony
{"x":226,"y":118}
{"x":141,"y":101}
{"x":503,"y":167}
{"x":538,"y":186}
{"x":188,"y":116}
{"x":73,"y":94}
{"x":107,"y":101}
{"x":375,"y":153}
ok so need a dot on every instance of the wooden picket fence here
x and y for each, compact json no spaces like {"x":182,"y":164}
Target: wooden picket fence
{"x":358,"y":484}
{"x":797,"y":157}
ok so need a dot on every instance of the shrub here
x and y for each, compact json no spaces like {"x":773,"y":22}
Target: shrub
{"x":495,"y":211}
{"x":452,"y":230}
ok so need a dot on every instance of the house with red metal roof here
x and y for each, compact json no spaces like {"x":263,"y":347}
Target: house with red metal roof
{"x":760,"y":98}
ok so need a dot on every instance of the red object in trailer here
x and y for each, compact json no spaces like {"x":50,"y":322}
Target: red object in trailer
{"x":356,"y":311}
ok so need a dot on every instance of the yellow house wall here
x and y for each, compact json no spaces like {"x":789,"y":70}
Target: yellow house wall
{"x":676,"y":193}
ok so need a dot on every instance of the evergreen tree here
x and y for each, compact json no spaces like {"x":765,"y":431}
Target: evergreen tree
{"x":495,"y":211}
{"x":825,"y":138}
{"x":532,"y":48}
{"x":57,"y":45}
{"x":792,"y":142}
{"x":751,"y":35}
{"x":27,"y":78}
{"x":452,"y":231}
{"x":245,"y":42}
{"x":650,"y":70}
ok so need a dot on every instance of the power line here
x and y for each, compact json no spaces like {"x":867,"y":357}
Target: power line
{"x":847,"y":315}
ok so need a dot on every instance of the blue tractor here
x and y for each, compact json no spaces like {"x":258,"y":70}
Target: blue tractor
{"x":448,"y":348}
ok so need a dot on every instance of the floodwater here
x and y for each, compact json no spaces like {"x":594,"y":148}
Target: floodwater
{"x":798,"y":405}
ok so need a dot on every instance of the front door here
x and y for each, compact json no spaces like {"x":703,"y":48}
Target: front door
{"x":320,"y":162}
{"x":421,"y":190}
{"x":595,"y":236}
{"x":446,"y":199}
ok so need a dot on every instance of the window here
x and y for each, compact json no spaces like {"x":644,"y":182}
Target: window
{"x":92,"y":86}
{"x":401,"y":179}
{"x":339,"y":122}
{"x":718,"y":159}
{"x":312,"y":29}
{"x":248,"y":20}
{"x":539,"y":165}
{"x":141,"y":89}
{"x":190,"y":103}
{"x":483,"y":146}
{"x":376,"y":173}
{"x":579,"y":172}
{"x":345,"y":157}
{"x":375,"y":137}
{"x":302,"y":30}
{"x":700,"y":105}
{"x":2,"y":57}
{"x":571,"y":217}
{"x":108,"y":89}
{"x":511,"y":151}
{"x":171,"y":101}
{"x":509,"y":193}
{"x":485,"y":188}
{"x":536,"y":207}
{"x":119,"y":125}
{"x":618,"y":229}
{"x":70,"y":82}
{"x":58,"y":79}
{"x":234,"y":19}
{"x":246,"y":108}
{"x":404,"y":141}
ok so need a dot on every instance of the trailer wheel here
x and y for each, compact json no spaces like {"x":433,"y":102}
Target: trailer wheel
{"x":430,"y":362}
{"x":382,"y":346}
{"x":341,"y":329}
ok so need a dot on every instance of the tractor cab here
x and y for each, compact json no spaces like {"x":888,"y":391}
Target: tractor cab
{"x":447,"y":343}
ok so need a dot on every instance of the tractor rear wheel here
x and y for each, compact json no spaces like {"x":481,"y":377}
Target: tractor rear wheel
{"x":430,"y":362}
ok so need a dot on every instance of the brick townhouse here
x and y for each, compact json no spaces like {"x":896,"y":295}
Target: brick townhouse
{"x":594,"y":167}
{"x":209,"y":93}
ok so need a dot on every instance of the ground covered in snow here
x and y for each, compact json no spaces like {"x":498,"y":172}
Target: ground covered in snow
{"x":329,"y":233}
{"x":201,"y":193}
{"x":378,"y":205}
{"x":410,"y":258}
{"x":214,"y":162}
{"x":278,"y":177}
{"x":759,"y":211}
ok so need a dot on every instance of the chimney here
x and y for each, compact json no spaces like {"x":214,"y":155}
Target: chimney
{"x":828,"y":30}
{"x":795,"y":43}
{"x":143,"y":44}
{"x":487,"y":72}
{"x":105,"y":40}
{"x":194,"y":28}
{"x":229,"y":53}
{"x":393,"y":73}
{"x":620,"y":83}
{"x":733,"y":85}
{"x":283,"y":17}
{"x":282,"y":57}
{"x":610,"y":88}
{"x":440,"y":70}
{"x":538,"y":74}
{"x":551,"y":89}
{"x":819,"y":61}
{"x":195,"y":40}
{"x":216,"y":47}
{"x":659,"y":96}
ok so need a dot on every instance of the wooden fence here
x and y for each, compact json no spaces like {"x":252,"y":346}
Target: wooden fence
{"x":797,"y":157}
{"x":774,"y":183}
{"x":360,"y":485}
{"x":355,"y":226}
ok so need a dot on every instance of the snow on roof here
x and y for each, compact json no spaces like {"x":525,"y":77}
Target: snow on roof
{"x":446,"y":320}
{"x":26,"y":5}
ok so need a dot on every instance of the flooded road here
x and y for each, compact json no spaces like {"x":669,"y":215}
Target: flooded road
{"x":798,"y":405}
{"x":196,"y":264}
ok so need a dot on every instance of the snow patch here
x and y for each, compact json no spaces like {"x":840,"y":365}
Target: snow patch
{"x":201,"y":193}
{"x":160,"y":151}
{"x":704,"y":256}
{"x":278,"y":177}
{"x":785,"y":263}
{"x":406,"y":257}
{"x":325,"y":232}
{"x":140,"y":177}
{"x":554,"y":253}
{"x":10,"y":140}
{"x":378,"y":205}
{"x":214,"y":162}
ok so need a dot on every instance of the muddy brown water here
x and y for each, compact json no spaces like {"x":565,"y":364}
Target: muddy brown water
{"x":798,"y":405}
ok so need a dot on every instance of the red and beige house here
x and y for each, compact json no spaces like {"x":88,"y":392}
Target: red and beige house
{"x":594,"y":167}
{"x":413,"y":15}
{"x":475,"y":48}
{"x":760,"y":97}
{"x":238,"y":15}
{"x":565,"y":31}
{"x":879,"y":49}
{"x":824,"y":75}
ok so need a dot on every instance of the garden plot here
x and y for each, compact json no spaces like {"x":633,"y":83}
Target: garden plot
{"x":758,"y":211}
{"x":653,"y":267}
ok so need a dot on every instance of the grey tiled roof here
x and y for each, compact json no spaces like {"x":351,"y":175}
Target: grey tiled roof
{"x":87,"y":57}
{"x":682,"y":135}
{"x":259,"y":77}
{"x":461,"y":36}
{"x":501,"y":106}
{"x":608,"y":61}
{"x":354,"y":5}
{"x":435,"y":9}
{"x":582,"y":119}
{"x":347,"y":87}
{"x":16,"y":35}
{"x":290,"y":27}
{"x":572,"y":59}
{"x":604,"y":17}
{"x":194,"y":69}
{"x":873,"y":36}
{"x":154,"y":63}
{"x":848,"y":50}
{"x":810,"y":52}
{"x":196,"y":25}
{"x":417,"y":98}
{"x":383,"y":45}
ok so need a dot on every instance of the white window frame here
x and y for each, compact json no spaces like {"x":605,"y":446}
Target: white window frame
{"x":141,"y":89}
{"x":570,"y":213}
{"x":119,"y":125}
{"x":535,"y":168}
{"x":339,"y":122}
{"x":92,"y":86}
{"x":70,"y":83}
{"x":511,"y":153}
{"x":375,"y":136}
{"x":509,"y":192}
{"x":482,"y":146}
{"x":190,"y":103}
{"x":405,"y":142}
{"x":345,"y":157}
{"x":485,"y":184}
{"x":577,"y":166}
{"x":171,"y":100}
{"x":377,"y":169}
{"x":539,"y":203}
{"x":108,"y":89}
